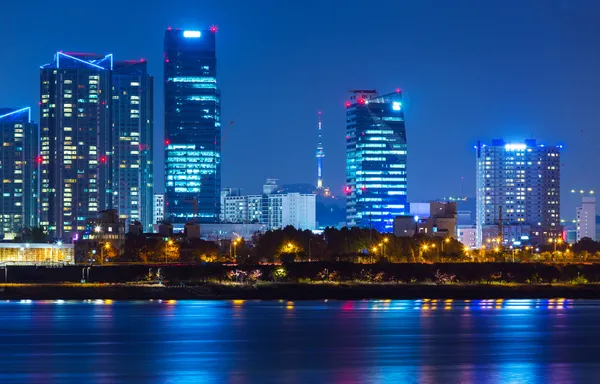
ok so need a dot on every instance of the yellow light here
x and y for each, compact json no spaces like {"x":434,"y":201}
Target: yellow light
{"x":496,"y":249}
{"x":559,"y":241}
{"x":170,"y":242}
{"x":98,"y":229}
{"x":374,"y":249}
{"x":107,"y":245}
{"x":447,"y":240}
{"x":386,"y":239}
{"x":425,"y":247}
{"x":289,"y":245}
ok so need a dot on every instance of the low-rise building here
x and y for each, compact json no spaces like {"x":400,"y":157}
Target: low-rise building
{"x":36,"y":253}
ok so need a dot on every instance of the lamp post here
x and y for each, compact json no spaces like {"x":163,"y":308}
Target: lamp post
{"x":169,"y":242}
{"x":446,"y":241}
{"x":309,"y":250}
{"x":374,"y":249}
{"x":385,"y":240}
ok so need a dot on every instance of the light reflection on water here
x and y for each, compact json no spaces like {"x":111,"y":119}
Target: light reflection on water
{"x":370,"y":341}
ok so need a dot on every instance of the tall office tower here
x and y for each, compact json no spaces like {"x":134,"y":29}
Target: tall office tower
{"x":75,"y":132}
{"x":192,"y":127}
{"x":132,"y":160}
{"x":320,"y":155}
{"x":375,"y":160}
{"x":518,"y":193}
{"x":19,"y":171}
{"x":586,"y":218}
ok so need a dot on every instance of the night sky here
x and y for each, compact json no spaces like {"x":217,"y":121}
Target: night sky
{"x":469,"y":70}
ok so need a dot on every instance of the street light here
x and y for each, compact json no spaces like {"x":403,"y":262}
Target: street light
{"x":107,"y":246}
{"x":169,"y":242}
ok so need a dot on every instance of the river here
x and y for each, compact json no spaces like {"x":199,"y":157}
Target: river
{"x":397,"y":341}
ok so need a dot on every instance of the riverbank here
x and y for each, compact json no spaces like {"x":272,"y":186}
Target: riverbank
{"x":295,"y":291}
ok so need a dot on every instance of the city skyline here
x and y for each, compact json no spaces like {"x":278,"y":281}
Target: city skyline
{"x":527,"y":109}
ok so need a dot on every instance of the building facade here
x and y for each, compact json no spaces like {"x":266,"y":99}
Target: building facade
{"x":192,"y":127}
{"x":376,"y":155}
{"x":96,"y":121}
{"x":273,"y":209}
{"x":586,"y":218}
{"x":158,"y":208}
{"x":19,"y":171}
{"x":518,"y":192}
{"x":75,"y":127}
{"x":132,"y":143}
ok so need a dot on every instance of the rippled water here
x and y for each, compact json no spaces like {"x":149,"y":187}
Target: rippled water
{"x":517,"y":341}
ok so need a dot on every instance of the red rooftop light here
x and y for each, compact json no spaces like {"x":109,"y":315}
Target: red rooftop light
{"x":40,"y":159}
{"x":167,"y":142}
{"x":398,"y":90}
{"x":348,"y":104}
{"x":361,"y":101}
{"x":214,"y":29}
{"x":103,"y":159}
{"x":347,"y":189}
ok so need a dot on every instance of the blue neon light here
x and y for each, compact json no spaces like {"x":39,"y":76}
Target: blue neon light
{"x":28,"y":109}
{"x":76,"y":59}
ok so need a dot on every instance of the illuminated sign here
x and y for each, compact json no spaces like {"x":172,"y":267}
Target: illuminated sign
{"x":192,"y":34}
{"x":515,"y":147}
{"x":396,"y":105}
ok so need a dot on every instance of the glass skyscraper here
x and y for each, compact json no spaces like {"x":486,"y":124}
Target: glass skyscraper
{"x":192,"y":127}
{"x":375,"y":160}
{"x":19,"y":171}
{"x":132,"y":159}
{"x":96,"y":141}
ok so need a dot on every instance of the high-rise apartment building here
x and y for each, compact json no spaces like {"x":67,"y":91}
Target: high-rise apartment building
{"x":96,"y":141}
{"x":375,"y":160}
{"x":192,"y":127}
{"x":132,"y":145}
{"x":75,"y":131}
{"x":19,"y":171}
{"x":518,"y":192}
{"x":586,"y":218}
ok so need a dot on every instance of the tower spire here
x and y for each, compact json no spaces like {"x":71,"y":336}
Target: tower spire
{"x":320,"y":153}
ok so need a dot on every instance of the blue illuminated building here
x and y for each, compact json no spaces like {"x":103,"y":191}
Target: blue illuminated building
{"x":95,"y":141}
{"x":375,"y":160}
{"x":19,"y":171}
{"x":192,"y":127}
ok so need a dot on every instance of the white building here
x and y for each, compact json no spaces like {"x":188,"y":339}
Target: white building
{"x":586,"y":218}
{"x":275,"y":210}
{"x":158,"y":208}
{"x":467,"y":235}
{"x":518,"y":190}
{"x":295,"y":209}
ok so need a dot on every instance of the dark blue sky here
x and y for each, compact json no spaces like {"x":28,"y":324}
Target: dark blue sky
{"x":469,"y":70}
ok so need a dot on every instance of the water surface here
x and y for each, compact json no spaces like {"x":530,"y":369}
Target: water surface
{"x":398,"y":341}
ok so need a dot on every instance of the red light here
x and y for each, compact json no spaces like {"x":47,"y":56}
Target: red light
{"x":348,"y":104}
{"x":213,"y":29}
{"x":361,"y":101}
{"x":103,"y":159}
{"x":363,"y":188}
{"x":397,"y":90}
{"x":347,"y":189}
{"x":166,"y":61}
{"x":142,"y":60}
{"x":169,"y":28}
{"x":40,"y":159}
{"x":167,"y":142}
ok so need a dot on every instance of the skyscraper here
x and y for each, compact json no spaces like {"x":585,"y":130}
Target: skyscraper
{"x":518,"y":192}
{"x":19,"y":171}
{"x":192,"y":127}
{"x":96,"y":141}
{"x":375,"y":160}
{"x":132,"y":160}
{"x":75,"y":127}
{"x":586,"y":218}
{"x":320,"y":155}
